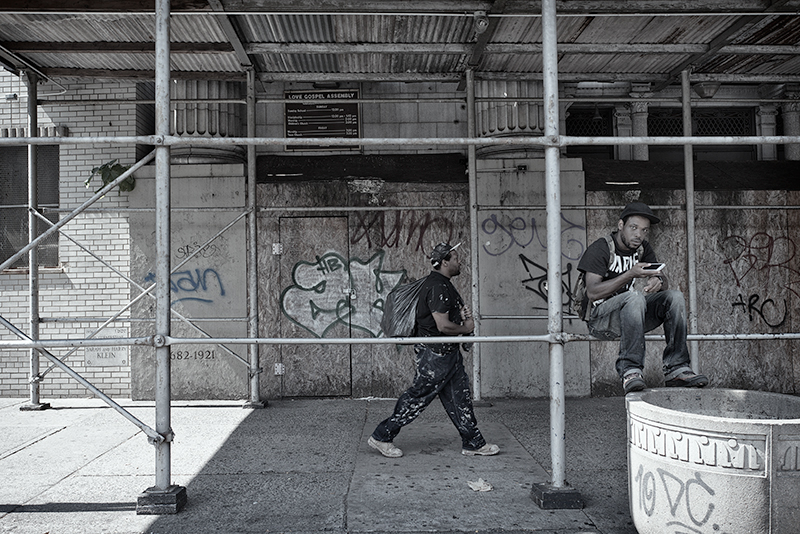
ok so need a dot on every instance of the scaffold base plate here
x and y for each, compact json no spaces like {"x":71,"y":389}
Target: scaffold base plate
{"x":551,"y":498}
{"x":159,"y":502}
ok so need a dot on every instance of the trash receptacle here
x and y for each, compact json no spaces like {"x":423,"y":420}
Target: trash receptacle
{"x":716,"y":461}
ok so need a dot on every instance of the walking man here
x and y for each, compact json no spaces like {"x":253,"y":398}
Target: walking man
{"x":618,"y":311}
{"x":439,"y":366}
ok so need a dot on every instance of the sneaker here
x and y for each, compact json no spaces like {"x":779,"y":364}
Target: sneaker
{"x":633,"y":382}
{"x":490,"y":449}
{"x":386,"y":448}
{"x":687,"y":379}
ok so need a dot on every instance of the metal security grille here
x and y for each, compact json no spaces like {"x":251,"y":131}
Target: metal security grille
{"x":592,"y":121}
{"x":14,"y":200}
{"x":666,"y":122}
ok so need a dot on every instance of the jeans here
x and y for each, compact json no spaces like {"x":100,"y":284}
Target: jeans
{"x":442,"y":375}
{"x":629,"y":315}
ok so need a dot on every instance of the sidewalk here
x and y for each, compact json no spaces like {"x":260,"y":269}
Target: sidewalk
{"x":303,"y":466}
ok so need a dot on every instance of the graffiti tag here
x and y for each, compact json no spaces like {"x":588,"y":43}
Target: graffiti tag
{"x":537,"y":282}
{"x":333,"y":290}
{"x":200,"y":285}
{"x":521,"y":233}
{"x":387,"y":230}
{"x":767,"y":310}
{"x":690,"y":502}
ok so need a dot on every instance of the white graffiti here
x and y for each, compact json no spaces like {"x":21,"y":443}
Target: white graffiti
{"x":332,"y":290}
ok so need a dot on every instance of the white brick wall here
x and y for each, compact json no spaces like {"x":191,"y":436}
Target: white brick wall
{"x":82,"y":287}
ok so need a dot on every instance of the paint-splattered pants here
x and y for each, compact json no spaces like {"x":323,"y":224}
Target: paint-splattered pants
{"x":437,"y":374}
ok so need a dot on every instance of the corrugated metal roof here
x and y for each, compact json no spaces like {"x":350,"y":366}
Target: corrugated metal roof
{"x":403,"y":46}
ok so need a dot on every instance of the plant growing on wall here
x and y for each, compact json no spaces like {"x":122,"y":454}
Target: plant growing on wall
{"x":110,"y":171}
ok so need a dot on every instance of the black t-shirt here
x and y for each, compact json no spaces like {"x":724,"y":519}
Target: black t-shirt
{"x":437,"y":294}
{"x":596,"y":260}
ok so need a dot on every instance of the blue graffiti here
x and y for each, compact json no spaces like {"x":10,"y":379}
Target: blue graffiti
{"x":197,"y":282}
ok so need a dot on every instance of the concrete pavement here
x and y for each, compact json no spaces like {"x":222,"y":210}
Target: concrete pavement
{"x":303,"y":467}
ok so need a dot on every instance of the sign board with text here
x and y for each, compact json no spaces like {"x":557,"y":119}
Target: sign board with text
{"x":113,"y":356}
{"x":332,"y":113}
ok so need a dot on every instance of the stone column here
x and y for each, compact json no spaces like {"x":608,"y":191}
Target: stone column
{"x":767,"y":125}
{"x":639,"y":128}
{"x":208,"y":119}
{"x":509,"y":118}
{"x":791,"y":121}
{"x":623,"y":127}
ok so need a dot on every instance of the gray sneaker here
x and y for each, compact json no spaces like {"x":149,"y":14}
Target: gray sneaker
{"x":633,"y":382}
{"x":687,"y":379}
{"x":490,"y":449}
{"x":386,"y":448}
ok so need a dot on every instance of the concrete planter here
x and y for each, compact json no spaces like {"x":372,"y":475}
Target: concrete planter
{"x":714,"y":461}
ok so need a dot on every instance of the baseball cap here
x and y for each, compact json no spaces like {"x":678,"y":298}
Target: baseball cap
{"x":639,"y":208}
{"x":440,"y":252}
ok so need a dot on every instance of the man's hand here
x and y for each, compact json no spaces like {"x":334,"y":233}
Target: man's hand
{"x":654,"y":285}
{"x":449,"y":328}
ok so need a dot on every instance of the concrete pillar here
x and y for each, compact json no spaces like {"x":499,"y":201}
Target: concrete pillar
{"x":639,"y":128}
{"x":208,"y":119}
{"x":791,"y":121}
{"x":767,"y":125}
{"x":623,"y":127}
{"x":504,"y":118}
{"x":639,"y":118}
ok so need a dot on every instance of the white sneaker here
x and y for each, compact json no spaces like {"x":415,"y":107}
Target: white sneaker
{"x":386,"y":448}
{"x":490,"y":449}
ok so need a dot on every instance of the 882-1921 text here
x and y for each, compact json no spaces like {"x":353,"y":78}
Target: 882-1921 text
{"x":193,"y":355}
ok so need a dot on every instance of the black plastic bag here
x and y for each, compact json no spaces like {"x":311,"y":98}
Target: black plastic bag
{"x":400,"y":310}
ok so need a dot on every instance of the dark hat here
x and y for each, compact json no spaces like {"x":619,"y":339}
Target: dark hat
{"x":639,"y":208}
{"x":440,"y":252}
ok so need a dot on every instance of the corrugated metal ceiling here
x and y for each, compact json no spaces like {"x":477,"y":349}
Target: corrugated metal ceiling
{"x":402,"y":46}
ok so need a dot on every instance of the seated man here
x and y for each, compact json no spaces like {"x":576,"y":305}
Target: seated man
{"x":618,"y":311}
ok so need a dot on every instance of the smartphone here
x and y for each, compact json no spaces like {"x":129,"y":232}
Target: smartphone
{"x":654,"y":267}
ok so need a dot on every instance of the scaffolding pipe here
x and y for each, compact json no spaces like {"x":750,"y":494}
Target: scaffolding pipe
{"x":691,"y":255}
{"x":473,"y":241}
{"x":33,"y":253}
{"x":544,"y":141}
{"x":564,"y":337}
{"x":552,"y":156}
{"x":254,"y":366}
{"x":163,"y":253}
{"x":482,"y":207}
{"x":152,"y":434}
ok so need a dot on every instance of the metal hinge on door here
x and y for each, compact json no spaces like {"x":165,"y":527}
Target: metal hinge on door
{"x":351,"y":292}
{"x":280,"y":369}
{"x":277,"y":249}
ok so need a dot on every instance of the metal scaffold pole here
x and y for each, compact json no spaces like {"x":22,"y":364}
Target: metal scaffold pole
{"x":254,"y":365}
{"x":33,"y":254}
{"x":557,"y":494}
{"x":691,"y":250}
{"x":473,"y":224}
{"x":163,"y":498}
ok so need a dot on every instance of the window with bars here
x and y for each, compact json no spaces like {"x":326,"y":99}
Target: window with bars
{"x":590,"y":122}
{"x":14,"y":202}
{"x":668,"y":122}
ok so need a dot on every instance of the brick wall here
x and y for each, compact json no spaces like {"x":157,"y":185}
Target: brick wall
{"x":81,"y":288}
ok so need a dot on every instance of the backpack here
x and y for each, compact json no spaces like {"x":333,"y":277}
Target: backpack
{"x":580,"y":300}
{"x":400,"y":310}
